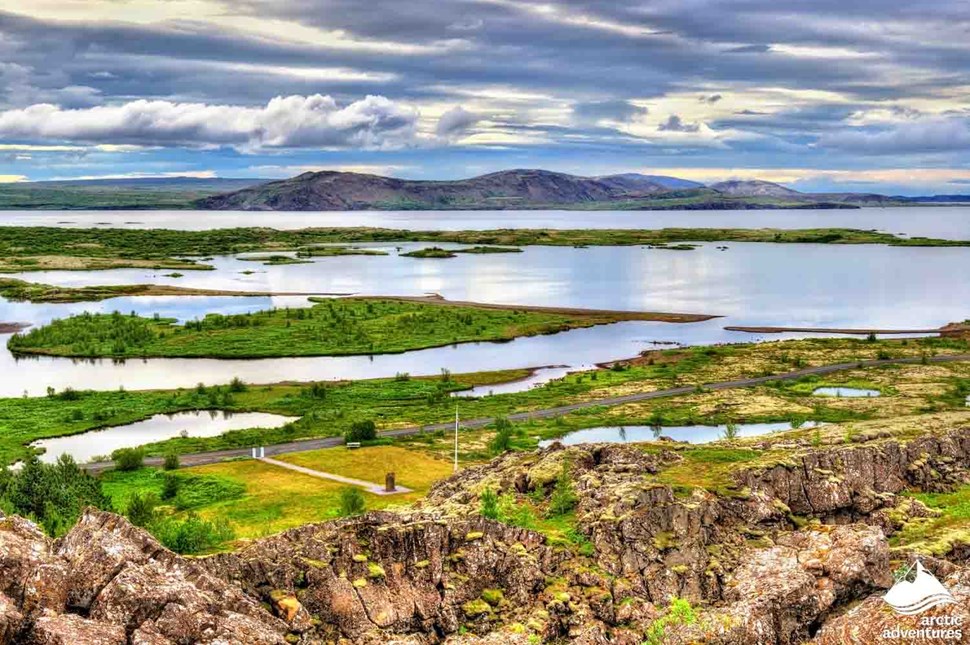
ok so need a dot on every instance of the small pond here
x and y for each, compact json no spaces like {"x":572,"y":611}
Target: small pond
{"x":850,"y":392}
{"x":690,"y":434}
{"x":86,"y":446}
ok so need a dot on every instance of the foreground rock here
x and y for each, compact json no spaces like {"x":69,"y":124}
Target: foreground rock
{"x":109,"y":582}
{"x":787,"y":547}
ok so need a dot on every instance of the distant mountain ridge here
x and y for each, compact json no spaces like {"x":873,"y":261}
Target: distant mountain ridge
{"x":504,"y":190}
{"x":517,"y":189}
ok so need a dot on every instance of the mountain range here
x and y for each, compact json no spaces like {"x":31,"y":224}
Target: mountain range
{"x":504,"y":190}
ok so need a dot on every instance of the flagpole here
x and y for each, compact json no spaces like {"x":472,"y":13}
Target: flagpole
{"x":456,"y":438}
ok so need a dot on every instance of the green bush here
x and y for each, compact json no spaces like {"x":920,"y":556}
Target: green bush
{"x":361,"y":431}
{"x":563,"y":498}
{"x":488,"y":504}
{"x":128,"y":459}
{"x":191,"y":535}
{"x":351,"y":501}
{"x":502,"y":441}
{"x":170,"y":487}
{"x":141,"y":509}
{"x":171,"y":461}
{"x":237,"y":385}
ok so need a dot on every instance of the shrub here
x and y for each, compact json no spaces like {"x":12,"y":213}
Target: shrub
{"x":361,"y":431}
{"x":563,"y":498}
{"x":171,"y":461}
{"x":191,"y":535}
{"x":141,"y":509}
{"x":351,"y":501}
{"x":170,"y":487}
{"x":128,"y":459}
{"x":237,"y":385}
{"x":502,"y":441}
{"x":488,"y":504}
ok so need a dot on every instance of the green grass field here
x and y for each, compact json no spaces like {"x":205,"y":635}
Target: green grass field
{"x":259,"y":499}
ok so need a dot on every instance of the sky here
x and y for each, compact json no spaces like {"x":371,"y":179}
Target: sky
{"x":865,"y":95}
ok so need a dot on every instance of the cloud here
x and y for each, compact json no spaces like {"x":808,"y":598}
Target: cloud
{"x":927,"y":135}
{"x":284,"y":122}
{"x":674,"y":124}
{"x":711,"y":98}
{"x":455,"y":123}
{"x":616,"y":110}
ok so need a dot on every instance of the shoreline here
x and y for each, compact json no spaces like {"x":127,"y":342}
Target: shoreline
{"x":828,"y":330}
{"x":12,"y":327}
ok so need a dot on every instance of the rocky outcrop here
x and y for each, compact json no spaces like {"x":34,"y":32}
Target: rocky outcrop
{"x":775,"y":552}
{"x":110,"y":582}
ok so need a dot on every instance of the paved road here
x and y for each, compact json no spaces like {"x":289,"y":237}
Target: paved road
{"x":203,"y":458}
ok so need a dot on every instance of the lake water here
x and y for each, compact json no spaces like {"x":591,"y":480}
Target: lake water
{"x":690,"y":434}
{"x":850,"y":392}
{"x":950,"y":222}
{"x":808,"y":285}
{"x":88,"y":446}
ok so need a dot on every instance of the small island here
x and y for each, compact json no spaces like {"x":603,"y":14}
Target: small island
{"x":331,"y":327}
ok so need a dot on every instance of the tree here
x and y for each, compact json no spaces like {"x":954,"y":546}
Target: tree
{"x":351,"y":501}
{"x":361,"y":431}
{"x":170,"y":487}
{"x":730,"y":431}
{"x":502,"y":441}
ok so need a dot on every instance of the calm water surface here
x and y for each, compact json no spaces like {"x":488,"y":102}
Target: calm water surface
{"x":950,"y":222}
{"x":690,"y":434}
{"x":88,"y":446}
{"x":850,"y":392}
{"x":748,"y":284}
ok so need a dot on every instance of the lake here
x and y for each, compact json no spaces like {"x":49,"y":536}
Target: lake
{"x":810,"y":285}
{"x":949,"y":222}
{"x":690,"y":434}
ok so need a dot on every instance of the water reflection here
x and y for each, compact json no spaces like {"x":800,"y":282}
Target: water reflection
{"x":690,"y":434}
{"x":87,"y":446}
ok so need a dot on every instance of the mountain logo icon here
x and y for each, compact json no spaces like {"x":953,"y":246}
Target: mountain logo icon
{"x":924,"y":591}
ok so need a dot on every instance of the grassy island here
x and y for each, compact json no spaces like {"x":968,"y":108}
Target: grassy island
{"x":332,"y":327}
{"x":50,"y":248}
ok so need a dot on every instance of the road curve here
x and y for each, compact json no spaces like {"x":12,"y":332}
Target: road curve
{"x":202,"y":458}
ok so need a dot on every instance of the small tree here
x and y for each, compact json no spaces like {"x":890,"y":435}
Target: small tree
{"x":488,"y":504}
{"x":171,"y":461}
{"x":362,"y":431}
{"x":731,"y":432}
{"x":563,"y":497}
{"x":170,"y":487}
{"x":237,"y":385}
{"x":351,"y":501}
{"x":141,"y":509}
{"x":128,"y":459}
{"x":502,"y":441}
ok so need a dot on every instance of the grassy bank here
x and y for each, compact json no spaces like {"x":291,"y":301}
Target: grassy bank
{"x":333,"y":327}
{"x":329,"y":409}
{"x":38,"y":248}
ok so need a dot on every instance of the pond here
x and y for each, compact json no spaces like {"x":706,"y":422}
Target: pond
{"x":690,"y":434}
{"x":849,"y":392}
{"x":87,"y":446}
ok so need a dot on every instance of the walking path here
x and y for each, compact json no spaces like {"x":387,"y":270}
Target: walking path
{"x":201,"y":458}
{"x":371,"y":487}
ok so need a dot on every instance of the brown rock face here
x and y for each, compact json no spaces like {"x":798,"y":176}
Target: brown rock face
{"x":119,"y":585}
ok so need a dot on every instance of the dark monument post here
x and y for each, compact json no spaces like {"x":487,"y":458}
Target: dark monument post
{"x":389,"y":483}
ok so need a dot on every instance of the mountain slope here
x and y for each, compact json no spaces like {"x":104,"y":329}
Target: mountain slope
{"x":510,"y":189}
